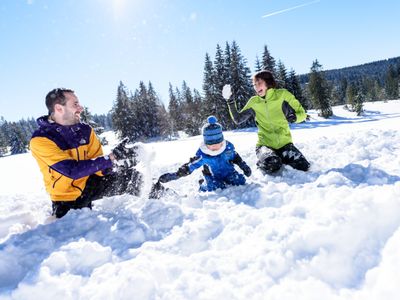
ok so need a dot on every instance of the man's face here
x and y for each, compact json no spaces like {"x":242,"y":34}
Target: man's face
{"x":71,"y":111}
{"x":260,"y":87}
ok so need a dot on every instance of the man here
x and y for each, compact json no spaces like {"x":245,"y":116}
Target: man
{"x":70,"y":157}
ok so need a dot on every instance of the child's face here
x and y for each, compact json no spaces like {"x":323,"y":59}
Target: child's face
{"x":215,"y":147}
{"x":260,"y":87}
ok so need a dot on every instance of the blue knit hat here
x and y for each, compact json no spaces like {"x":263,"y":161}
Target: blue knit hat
{"x":212,"y":131}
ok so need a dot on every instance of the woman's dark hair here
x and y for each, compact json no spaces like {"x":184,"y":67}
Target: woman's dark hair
{"x":56,"y":96}
{"x":267,"y":77}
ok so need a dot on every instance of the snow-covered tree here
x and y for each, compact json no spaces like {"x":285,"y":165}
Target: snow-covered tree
{"x":18,"y":140}
{"x":392,"y":83}
{"x":294,"y":87}
{"x":122,"y":113}
{"x":240,"y":79}
{"x":268,"y":61}
{"x":319,"y":90}
{"x":281,"y":77}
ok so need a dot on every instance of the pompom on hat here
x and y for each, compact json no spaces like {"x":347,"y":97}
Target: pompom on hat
{"x":212,"y":131}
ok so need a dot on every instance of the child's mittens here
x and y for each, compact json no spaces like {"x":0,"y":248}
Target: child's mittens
{"x":246,"y":170}
{"x":168,"y":177}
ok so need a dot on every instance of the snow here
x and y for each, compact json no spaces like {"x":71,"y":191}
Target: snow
{"x":330,"y":233}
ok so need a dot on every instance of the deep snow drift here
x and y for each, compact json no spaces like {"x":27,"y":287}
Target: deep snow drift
{"x":330,"y":233}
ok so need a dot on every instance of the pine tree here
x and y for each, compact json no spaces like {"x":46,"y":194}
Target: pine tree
{"x":137,"y":124}
{"x":121,"y":114}
{"x":258,"y":67}
{"x":197,"y":110}
{"x":295,"y":88}
{"x":392,"y":84}
{"x":319,"y":91}
{"x":164,"y":122}
{"x":189,"y":120}
{"x":268,"y":62}
{"x":379,"y":90}
{"x":174,"y":111}
{"x":228,"y":61}
{"x":18,"y":141}
{"x":241,"y":84}
{"x":146,"y":121}
{"x":3,"y":144}
{"x":154,"y":104}
{"x":222,"y":76}
{"x":342,"y":91}
{"x":3,"y":137}
{"x":210,"y":103}
{"x":103,"y":121}
{"x":351,"y":93}
{"x":87,"y":117}
{"x":359,"y":102}
{"x":281,"y":77}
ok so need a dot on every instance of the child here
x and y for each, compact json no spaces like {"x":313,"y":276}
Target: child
{"x":217,"y":157}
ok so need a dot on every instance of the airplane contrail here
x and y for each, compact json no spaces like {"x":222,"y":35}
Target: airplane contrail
{"x":288,"y":9}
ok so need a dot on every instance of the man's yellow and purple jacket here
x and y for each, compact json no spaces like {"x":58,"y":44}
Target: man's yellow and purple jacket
{"x":67,"y":155}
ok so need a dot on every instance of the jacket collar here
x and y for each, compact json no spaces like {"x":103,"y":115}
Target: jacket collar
{"x":207,"y":151}
{"x":47,"y":122}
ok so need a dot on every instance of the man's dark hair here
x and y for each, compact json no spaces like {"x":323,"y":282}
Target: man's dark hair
{"x":267,"y":77}
{"x":56,"y":96}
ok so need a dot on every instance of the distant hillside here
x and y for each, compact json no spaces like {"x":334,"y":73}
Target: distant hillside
{"x":373,"y":70}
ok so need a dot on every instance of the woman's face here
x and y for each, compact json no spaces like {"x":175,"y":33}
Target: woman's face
{"x":260,"y":87}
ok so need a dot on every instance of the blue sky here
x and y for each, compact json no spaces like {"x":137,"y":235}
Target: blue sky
{"x":90,"y":45}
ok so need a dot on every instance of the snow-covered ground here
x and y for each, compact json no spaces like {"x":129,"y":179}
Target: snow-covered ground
{"x":330,"y":233}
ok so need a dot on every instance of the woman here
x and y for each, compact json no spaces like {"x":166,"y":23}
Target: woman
{"x":273,"y":109}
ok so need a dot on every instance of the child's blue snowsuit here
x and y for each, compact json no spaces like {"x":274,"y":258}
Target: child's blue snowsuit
{"x":218,"y":170}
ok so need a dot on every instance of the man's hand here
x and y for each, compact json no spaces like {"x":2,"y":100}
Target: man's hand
{"x":226,"y":91}
{"x":124,"y":154}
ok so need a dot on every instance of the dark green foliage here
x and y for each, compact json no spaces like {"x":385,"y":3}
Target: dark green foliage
{"x":87,"y":118}
{"x":268,"y":62}
{"x":319,"y":91}
{"x":229,"y":67}
{"x":175,"y":111}
{"x":392,"y":83}
{"x":140,"y":116}
{"x":122,"y":113}
{"x":293,"y":86}
{"x":191,"y":123}
{"x":281,"y":76}
{"x":240,"y":79}
{"x":3,"y":138}
{"x":374,"y":70}
{"x":18,"y":140}
{"x":258,"y":67}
